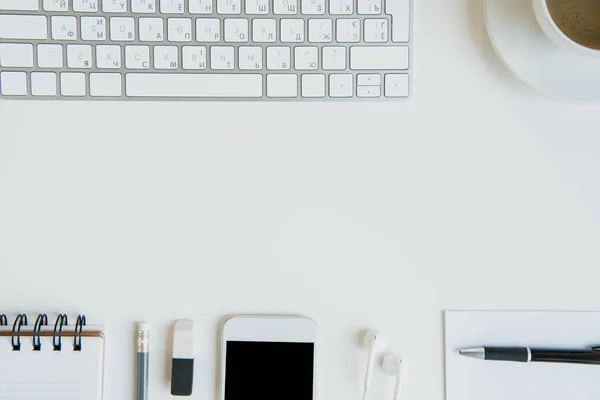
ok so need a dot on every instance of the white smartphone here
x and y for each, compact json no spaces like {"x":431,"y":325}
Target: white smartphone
{"x":269,"y":358}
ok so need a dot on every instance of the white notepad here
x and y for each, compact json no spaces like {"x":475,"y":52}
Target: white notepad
{"x":50,"y":374}
{"x":473,"y":379}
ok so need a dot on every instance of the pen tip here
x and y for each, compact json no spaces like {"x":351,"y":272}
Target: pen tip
{"x":476,"y":352}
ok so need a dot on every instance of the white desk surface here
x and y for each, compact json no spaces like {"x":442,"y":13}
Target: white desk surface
{"x":477,"y":194}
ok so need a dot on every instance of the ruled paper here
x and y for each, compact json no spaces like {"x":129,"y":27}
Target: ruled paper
{"x":49,"y":374}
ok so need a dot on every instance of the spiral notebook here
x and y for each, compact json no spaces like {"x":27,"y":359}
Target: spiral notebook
{"x":59,"y":360}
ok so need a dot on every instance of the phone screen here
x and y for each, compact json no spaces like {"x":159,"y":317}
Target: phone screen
{"x":269,"y":371}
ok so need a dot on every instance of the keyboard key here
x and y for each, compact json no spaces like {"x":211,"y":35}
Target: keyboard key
{"x":282,"y":85}
{"x":114,"y":6}
{"x":85,"y":5}
{"x":347,"y":30}
{"x":105,"y":85}
{"x":306,"y":58}
{"x":43,"y":83}
{"x":278,"y":57}
{"x":222,"y":57}
{"x":201,"y":6}
{"x":50,"y":55}
{"x":56,"y":5}
{"x":108,"y":57}
{"x":172,"y":6}
{"x":19,"y":5}
{"x":179,"y":29}
{"x":314,"y":7}
{"x":194,"y":57}
{"x":292,"y":30}
{"x":264,"y":30}
{"x":285,"y":6}
{"x":376,"y":30}
{"x":377,"y":58}
{"x":313,"y":85}
{"x":400,"y":12}
{"x":369,"y":7}
{"x":93,"y":28}
{"x":13,"y":83}
{"x":341,"y":6}
{"x":236,"y":30}
{"x":79,"y":56}
{"x":319,"y":30}
{"x":137,"y":57}
{"x":166,"y":57}
{"x":194,"y":85}
{"x":396,"y":85}
{"x":208,"y":30}
{"x":334,"y":58}
{"x":257,"y":7}
{"x":143,"y":6}
{"x":23,"y":27}
{"x":72,"y":84}
{"x":340,"y":85}
{"x":122,"y":29}
{"x":250,"y":58}
{"x":369,"y":79}
{"x":64,"y":28}
{"x":368,"y":91}
{"x":16,"y":55}
{"x":151,"y":29}
{"x":229,"y":6}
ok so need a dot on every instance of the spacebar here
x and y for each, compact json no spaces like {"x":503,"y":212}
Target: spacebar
{"x":193,"y":85}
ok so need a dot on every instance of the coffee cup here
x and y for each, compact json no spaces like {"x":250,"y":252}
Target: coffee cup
{"x":574,"y":25}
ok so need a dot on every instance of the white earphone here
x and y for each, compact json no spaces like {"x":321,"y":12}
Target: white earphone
{"x":392,"y":364}
{"x":376,"y":342}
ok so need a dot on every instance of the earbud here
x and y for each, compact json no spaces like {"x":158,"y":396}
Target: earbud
{"x":392,"y":365}
{"x":376,"y":342}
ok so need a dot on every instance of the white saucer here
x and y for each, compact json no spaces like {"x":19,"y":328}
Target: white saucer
{"x":532,"y":57}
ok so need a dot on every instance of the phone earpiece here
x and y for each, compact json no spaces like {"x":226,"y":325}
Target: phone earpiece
{"x":376,"y":342}
{"x":392,"y":365}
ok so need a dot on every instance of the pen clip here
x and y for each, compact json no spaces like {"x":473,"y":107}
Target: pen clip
{"x":595,"y":348}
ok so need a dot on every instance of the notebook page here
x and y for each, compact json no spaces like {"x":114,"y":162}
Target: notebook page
{"x":49,"y":374}
{"x":472,"y":379}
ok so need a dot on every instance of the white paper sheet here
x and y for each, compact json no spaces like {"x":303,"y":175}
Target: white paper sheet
{"x":49,"y":374}
{"x":473,"y":379}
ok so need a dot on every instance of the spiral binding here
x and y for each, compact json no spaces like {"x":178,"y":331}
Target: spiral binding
{"x":16,"y":332}
{"x":41,"y":320}
{"x":36,"y":333}
{"x":81,"y":321}
{"x":58,"y":327}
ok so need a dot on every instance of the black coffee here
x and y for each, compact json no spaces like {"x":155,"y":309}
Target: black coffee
{"x":578,"y":19}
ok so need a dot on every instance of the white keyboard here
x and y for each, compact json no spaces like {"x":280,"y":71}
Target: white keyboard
{"x":205,"y":49}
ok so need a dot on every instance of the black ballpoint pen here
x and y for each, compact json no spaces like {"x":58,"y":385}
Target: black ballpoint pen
{"x":526,"y":354}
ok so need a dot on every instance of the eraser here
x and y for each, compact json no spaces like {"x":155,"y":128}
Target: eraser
{"x":182,"y":372}
{"x":143,"y":327}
